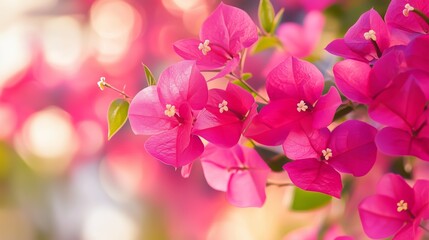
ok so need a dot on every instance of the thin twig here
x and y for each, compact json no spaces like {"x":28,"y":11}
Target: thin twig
{"x":270,"y":183}
{"x":250,"y":87}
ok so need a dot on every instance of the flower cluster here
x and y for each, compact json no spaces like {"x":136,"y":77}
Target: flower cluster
{"x":385,"y":69}
{"x":388,"y":71}
{"x":396,"y":209}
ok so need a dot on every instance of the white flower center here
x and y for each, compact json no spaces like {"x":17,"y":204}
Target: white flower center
{"x":407,"y":9}
{"x":223,"y":106}
{"x":102,"y":83}
{"x":402,"y":206}
{"x":301,"y":106}
{"x":170,"y":110}
{"x":204,"y":47}
{"x":370,"y":35}
{"x":327,"y":153}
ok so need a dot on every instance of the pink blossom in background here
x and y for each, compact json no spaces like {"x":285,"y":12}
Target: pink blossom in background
{"x":396,"y":209}
{"x":167,"y":113}
{"x":224,"y":34}
{"x":239,"y":171}
{"x":300,"y":40}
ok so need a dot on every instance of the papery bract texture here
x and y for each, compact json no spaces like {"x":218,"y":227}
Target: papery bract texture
{"x":365,"y":41}
{"x":319,"y":154}
{"x":294,"y":87}
{"x":167,"y":112}
{"x":396,"y":209}
{"x":224,"y":34}
{"x":412,"y":23}
{"x":239,"y":171}
{"x":226,"y":115}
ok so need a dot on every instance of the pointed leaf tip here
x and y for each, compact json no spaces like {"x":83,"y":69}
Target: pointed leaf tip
{"x":149,"y":76}
{"x":306,"y":200}
{"x":266,"y":15}
{"x":117,"y":116}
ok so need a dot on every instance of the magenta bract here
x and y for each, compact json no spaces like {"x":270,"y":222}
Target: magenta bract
{"x":226,"y":115}
{"x":319,"y":155}
{"x":239,"y":171}
{"x":396,"y":209}
{"x":365,"y":41}
{"x":167,"y":112}
{"x":295,"y":88}
{"x":224,"y":34}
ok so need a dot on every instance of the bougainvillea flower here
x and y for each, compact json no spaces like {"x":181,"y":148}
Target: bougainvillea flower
{"x":226,"y":115}
{"x":239,"y":171}
{"x":365,"y":41}
{"x":295,"y":88}
{"x":361,"y":83}
{"x":166,"y":111}
{"x":402,"y":108}
{"x":319,"y":155}
{"x":412,"y":141}
{"x":396,"y":209}
{"x":224,"y":34}
{"x":408,"y":16}
{"x":300,"y":40}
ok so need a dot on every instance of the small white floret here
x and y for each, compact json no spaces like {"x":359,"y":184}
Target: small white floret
{"x":170,"y":110}
{"x":204,"y":47}
{"x":370,"y":35}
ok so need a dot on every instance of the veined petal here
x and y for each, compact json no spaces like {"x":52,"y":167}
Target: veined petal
{"x":415,"y":53}
{"x":400,"y":105}
{"x":395,"y":187}
{"x":175,"y":147}
{"x":352,"y":78}
{"x":413,"y":23}
{"x":421,"y":198}
{"x":247,"y":188}
{"x":183,"y":83}
{"x":339,"y":48}
{"x":146,"y":114}
{"x":222,"y":129}
{"x":314,"y":175}
{"x":355,"y":40}
{"x":229,"y":27}
{"x":273,"y":123}
{"x":379,"y":216}
{"x":301,"y":144}
{"x":399,"y":142}
{"x":324,"y":111}
{"x":188,"y":50}
{"x":296,"y":79}
{"x":353,"y":147}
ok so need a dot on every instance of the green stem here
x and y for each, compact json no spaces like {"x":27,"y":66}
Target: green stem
{"x":422,"y":15}
{"x":117,"y":90}
{"x":249,"y":87}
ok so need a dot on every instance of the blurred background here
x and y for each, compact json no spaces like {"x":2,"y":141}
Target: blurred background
{"x":59,"y":176}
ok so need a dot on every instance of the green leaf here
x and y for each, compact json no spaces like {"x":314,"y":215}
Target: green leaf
{"x":242,"y":85}
{"x":277,"y":20}
{"x":306,"y":200}
{"x":117,"y":116}
{"x":149,"y":76}
{"x":265,"y":43}
{"x":246,"y":76}
{"x":266,"y":15}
